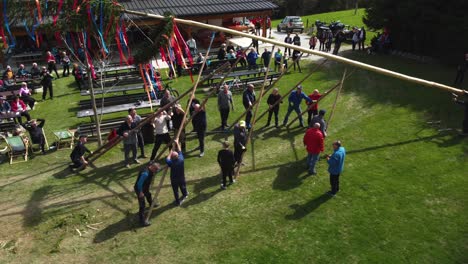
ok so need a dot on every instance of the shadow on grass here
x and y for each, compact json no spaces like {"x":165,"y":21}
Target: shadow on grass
{"x":289,"y":176}
{"x":198,"y":190}
{"x":305,"y":209}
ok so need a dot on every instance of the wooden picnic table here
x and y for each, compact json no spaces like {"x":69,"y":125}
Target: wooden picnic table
{"x":123,"y":89}
{"x":116,"y":68}
{"x":117,"y":108}
{"x":9,"y":115}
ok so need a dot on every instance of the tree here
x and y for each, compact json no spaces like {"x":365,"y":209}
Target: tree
{"x":428,"y":27}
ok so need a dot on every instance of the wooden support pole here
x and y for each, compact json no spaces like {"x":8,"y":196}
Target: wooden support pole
{"x":336,"y":58}
{"x":262,"y":92}
{"x":290,"y":90}
{"x":321,"y":97}
{"x":270,"y":87}
{"x":332,"y":113}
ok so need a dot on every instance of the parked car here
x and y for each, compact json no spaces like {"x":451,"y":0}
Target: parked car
{"x":291,"y":23}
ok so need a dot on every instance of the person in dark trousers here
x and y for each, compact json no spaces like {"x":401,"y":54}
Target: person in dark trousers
{"x":225,"y":104}
{"x":335,"y":166}
{"x":288,"y":40}
{"x":461,"y":69}
{"x":177,"y":117}
{"x":252,"y":60}
{"x":142,"y":186}
{"x":51,"y":63}
{"x":199,"y":126}
{"x":161,"y":132}
{"x":77,"y":155}
{"x":362,"y":38}
{"x":339,"y":38}
{"x":226,"y":161}
{"x":313,"y":106}
{"x":273,"y":98}
{"x":248,"y":99}
{"x":77,"y":72}
{"x":136,"y":120}
{"x":295,"y":99}
{"x":46,"y":83}
{"x":465,"y":119}
{"x":296,"y":57}
{"x":175,"y":161}
{"x":320,"y":119}
{"x":240,"y":140}
{"x":266,"y":55}
{"x":129,"y":140}
{"x":222,"y":52}
{"x":255,"y":44}
{"x":36,"y":132}
{"x":297,"y":40}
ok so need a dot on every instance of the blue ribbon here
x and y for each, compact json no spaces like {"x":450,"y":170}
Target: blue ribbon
{"x":30,"y":33}
{"x":99,"y":31}
{"x":7,"y":25}
{"x":101,"y":16}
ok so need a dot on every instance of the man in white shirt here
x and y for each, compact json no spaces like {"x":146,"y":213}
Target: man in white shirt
{"x":161,"y":132}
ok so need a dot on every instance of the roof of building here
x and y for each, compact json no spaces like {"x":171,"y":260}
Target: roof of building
{"x":183,"y":8}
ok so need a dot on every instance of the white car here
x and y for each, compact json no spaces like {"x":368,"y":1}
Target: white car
{"x":291,"y":23}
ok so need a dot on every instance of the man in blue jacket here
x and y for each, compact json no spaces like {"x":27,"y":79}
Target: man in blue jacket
{"x":175,"y":161}
{"x":335,"y":166}
{"x":142,"y":185}
{"x":295,"y":99}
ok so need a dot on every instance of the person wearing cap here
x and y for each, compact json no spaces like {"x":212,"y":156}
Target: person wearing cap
{"x":77,"y":155}
{"x":313,"y":106}
{"x":35,"y":71}
{"x":199,"y":126}
{"x":19,"y":107}
{"x":142,"y":186}
{"x":313,"y":141}
{"x":295,"y":99}
{"x":225,"y":104}
{"x":21,"y":72}
{"x":36,"y":132}
{"x":51,"y":63}
{"x":129,"y":140}
{"x":335,"y":166}
{"x":248,"y":99}
{"x":226,"y":161}
{"x":46,"y":83}
{"x":320,"y":119}
{"x":175,"y":161}
{"x":5,"y":107}
{"x":240,"y":140}
{"x":136,"y":120}
{"x":273,"y":106}
{"x":26,"y":96}
{"x":161,"y":132}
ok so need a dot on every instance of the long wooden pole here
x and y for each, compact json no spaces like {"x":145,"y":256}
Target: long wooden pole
{"x":176,"y":138}
{"x":320,"y":99}
{"x":309,"y":51}
{"x":336,"y":98}
{"x":262,"y":93}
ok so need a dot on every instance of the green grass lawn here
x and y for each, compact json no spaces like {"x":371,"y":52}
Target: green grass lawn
{"x":347,"y":17}
{"x":403,"y":195}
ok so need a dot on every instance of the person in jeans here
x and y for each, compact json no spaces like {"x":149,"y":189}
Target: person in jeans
{"x":248,"y":99}
{"x":335,"y":166}
{"x":295,"y":99}
{"x":129,"y":140}
{"x":313,"y":140}
{"x":137,"y":119}
{"x":225,"y":104}
{"x":226,"y":161}
{"x":175,"y":161}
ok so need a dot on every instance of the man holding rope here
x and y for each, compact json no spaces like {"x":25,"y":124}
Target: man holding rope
{"x":295,"y":99}
{"x":175,"y":161}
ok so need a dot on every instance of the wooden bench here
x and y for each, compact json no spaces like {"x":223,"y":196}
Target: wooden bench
{"x":241,"y":84}
{"x":7,"y":127}
{"x":89,"y":129}
{"x":110,"y":82}
{"x":123,"y":89}
{"x":114,"y":100}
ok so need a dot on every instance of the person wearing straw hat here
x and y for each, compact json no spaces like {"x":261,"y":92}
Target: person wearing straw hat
{"x":240,"y":140}
{"x":141,"y":187}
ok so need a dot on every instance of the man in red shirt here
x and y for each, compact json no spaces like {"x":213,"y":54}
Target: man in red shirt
{"x":313,"y":107}
{"x":313,"y":141}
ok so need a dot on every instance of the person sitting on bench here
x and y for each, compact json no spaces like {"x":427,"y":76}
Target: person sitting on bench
{"x":36,"y":132}
{"x":19,"y":107}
